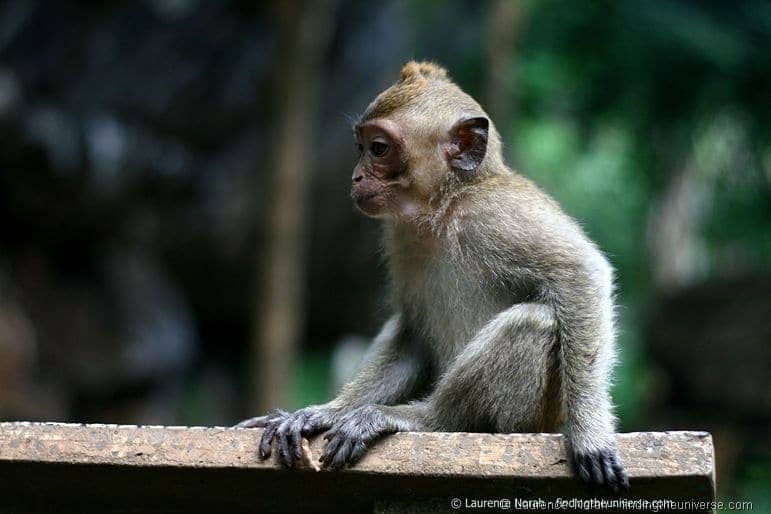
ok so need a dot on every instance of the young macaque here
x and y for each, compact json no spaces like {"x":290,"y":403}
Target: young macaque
{"x":503,"y":308}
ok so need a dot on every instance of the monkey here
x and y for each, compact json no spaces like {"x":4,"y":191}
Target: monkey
{"x":503,"y":307}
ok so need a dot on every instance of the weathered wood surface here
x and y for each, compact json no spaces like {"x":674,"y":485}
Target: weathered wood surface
{"x":80,"y":468}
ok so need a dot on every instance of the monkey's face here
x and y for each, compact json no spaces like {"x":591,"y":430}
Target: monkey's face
{"x":380,"y":182}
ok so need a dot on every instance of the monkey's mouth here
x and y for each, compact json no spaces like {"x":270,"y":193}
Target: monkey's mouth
{"x":360,"y":199}
{"x":370,"y":204}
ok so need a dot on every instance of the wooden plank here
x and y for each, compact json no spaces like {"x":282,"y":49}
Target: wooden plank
{"x":95,"y":467}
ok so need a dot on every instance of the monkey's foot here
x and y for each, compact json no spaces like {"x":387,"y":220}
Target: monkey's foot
{"x":602,"y":469}
{"x":349,"y":439}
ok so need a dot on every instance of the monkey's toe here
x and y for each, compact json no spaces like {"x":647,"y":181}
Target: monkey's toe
{"x":343,"y":451}
{"x":602,"y":471}
{"x":347,"y":442}
{"x":256,"y":422}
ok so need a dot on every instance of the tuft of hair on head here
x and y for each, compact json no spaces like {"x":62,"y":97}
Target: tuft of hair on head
{"x":414,"y":70}
{"x":416,"y":78}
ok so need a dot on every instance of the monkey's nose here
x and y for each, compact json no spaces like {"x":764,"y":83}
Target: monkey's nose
{"x":358,"y":177}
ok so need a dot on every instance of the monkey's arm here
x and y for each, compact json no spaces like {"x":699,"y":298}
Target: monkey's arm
{"x":583,"y":306}
{"x":394,"y":371}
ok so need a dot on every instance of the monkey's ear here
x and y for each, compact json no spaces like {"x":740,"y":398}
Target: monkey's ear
{"x":468,"y":144}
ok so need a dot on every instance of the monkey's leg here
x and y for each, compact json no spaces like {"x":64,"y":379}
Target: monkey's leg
{"x":499,"y":382}
{"x":525,"y":371}
{"x":505,"y":379}
{"x":393,"y":372}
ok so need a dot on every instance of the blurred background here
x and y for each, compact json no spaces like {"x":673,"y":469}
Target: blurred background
{"x":177,"y":245}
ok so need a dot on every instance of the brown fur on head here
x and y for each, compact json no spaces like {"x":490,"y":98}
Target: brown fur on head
{"x":424,"y":69}
{"x":435,"y":138}
{"x":414,"y":80}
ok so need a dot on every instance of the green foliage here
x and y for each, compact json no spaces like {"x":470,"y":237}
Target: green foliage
{"x":313,"y":377}
{"x":753,"y":485}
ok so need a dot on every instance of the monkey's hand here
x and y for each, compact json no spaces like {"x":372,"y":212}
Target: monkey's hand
{"x":601,"y":469}
{"x":350,"y":437}
{"x":289,"y":429}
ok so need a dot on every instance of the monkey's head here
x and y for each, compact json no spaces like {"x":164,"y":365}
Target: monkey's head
{"x":418,"y":141}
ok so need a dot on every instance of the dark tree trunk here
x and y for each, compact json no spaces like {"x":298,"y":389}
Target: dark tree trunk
{"x":280,"y":281}
{"x":503,"y":25}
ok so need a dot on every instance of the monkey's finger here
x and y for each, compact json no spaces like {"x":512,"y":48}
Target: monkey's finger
{"x":331,"y":434}
{"x":256,"y":422}
{"x":314,"y":425}
{"x":295,"y":436}
{"x":357,"y":452}
{"x":610,"y":479}
{"x":621,"y":476}
{"x":330,"y":450}
{"x":623,"y":480}
{"x":267,"y":440}
{"x":262,"y":421}
{"x":581,"y":468}
{"x":596,"y":469}
{"x":284,"y":451}
{"x":342,"y":455}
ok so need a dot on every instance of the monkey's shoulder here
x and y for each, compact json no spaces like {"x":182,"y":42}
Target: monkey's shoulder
{"x":513,"y":207}
{"x":509,"y":220}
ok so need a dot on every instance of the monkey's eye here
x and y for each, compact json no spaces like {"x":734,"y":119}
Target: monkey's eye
{"x":378,"y":148}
